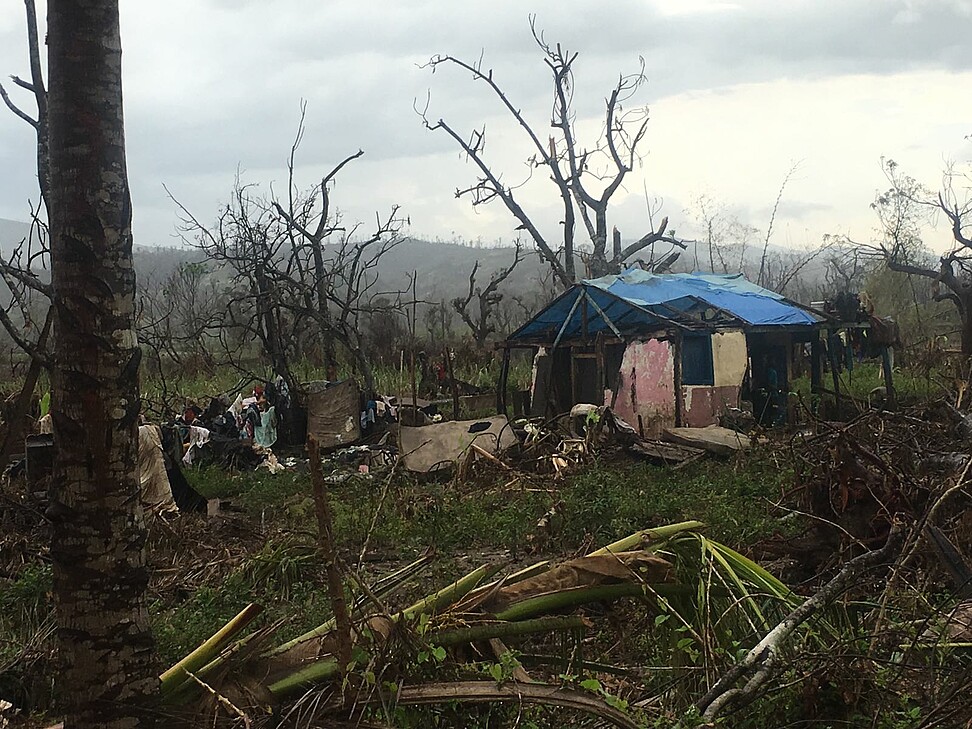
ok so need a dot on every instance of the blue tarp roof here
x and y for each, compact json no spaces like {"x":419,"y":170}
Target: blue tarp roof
{"x":636,"y":301}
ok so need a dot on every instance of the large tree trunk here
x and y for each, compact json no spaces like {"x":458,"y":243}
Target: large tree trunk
{"x":966,"y":313}
{"x":107,"y":677}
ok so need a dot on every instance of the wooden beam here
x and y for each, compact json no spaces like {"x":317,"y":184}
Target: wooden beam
{"x":570,"y":314}
{"x":677,"y":362}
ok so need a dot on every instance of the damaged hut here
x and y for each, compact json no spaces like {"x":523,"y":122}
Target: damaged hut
{"x":679,"y":350}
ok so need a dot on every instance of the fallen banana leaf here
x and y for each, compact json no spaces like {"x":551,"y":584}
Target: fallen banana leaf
{"x":648,"y":536}
{"x":486,"y":631}
{"x":677,"y":570}
{"x":587,"y":571}
{"x":311,"y":675}
{"x":483,"y":590}
{"x":206,"y":659}
{"x":639,"y":538}
{"x":450,"y":594}
{"x":326,"y":668}
{"x":478,"y":692}
{"x":556,"y":601}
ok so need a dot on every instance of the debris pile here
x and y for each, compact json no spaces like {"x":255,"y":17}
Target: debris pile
{"x":854,"y":479}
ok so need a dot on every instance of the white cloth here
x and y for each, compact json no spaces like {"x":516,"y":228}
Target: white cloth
{"x":198,"y":437}
{"x":236,"y":409}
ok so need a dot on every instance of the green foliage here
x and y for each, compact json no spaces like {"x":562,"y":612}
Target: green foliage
{"x":26,"y":635}
{"x":730,"y":498}
{"x":597,"y":504}
{"x":28,"y":592}
{"x":909,"y":386}
{"x":283,"y":577}
{"x":910,"y":302}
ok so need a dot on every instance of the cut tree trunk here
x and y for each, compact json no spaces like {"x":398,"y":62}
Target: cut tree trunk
{"x":108,"y":677}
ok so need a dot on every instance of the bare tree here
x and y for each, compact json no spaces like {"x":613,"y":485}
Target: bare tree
{"x":37,"y":89}
{"x":298,"y":273}
{"x":247,"y":243}
{"x":761,"y":277}
{"x":332,"y":271}
{"x":481,"y":318}
{"x":782,"y":269}
{"x":438,"y":322}
{"x":903,"y":210}
{"x":585,"y":178}
{"x":108,"y":676}
{"x":726,"y":245}
{"x":846,"y":266}
{"x":724,"y":239}
{"x":182,"y":330}
{"x":27,"y":316}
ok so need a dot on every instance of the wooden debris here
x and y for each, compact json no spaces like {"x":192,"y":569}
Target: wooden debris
{"x":714,"y":438}
{"x":665,"y":454}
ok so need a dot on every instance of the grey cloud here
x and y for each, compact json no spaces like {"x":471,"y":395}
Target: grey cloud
{"x":215,"y":84}
{"x":799,"y":209}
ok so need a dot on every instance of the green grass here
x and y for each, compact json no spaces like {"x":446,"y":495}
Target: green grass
{"x":909,"y":386}
{"x":605,"y":500}
{"x":731,"y":498}
{"x":284,"y":577}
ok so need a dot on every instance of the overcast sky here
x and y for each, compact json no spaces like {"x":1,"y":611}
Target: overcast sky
{"x":738,"y":91}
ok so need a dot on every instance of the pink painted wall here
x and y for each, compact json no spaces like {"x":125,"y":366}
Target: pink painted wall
{"x":647,"y":386}
{"x":703,"y":404}
{"x":647,"y":389}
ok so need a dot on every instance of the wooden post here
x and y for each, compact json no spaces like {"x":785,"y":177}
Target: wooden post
{"x":832,"y":356}
{"x":325,"y":535}
{"x":573,"y":376}
{"x":413,"y":323}
{"x":888,"y":379}
{"x":677,"y":362}
{"x":452,"y":384}
{"x":816,"y":363}
{"x":504,"y":375}
{"x":617,"y":246}
{"x":599,"y":359}
{"x":412,"y":371}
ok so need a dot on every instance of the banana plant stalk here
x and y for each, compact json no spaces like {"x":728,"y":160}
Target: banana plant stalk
{"x":205,"y":653}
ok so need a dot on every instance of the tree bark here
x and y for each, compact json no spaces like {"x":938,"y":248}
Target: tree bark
{"x":966,"y":313}
{"x":108,"y":676}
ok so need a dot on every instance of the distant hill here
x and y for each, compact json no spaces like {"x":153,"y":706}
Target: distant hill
{"x":442,"y":268}
{"x":12,"y":232}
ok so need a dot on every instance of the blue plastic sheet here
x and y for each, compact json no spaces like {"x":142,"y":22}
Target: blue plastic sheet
{"x":637,"y":301}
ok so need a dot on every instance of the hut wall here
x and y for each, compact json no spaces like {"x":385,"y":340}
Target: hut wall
{"x":647,"y":386}
{"x":704,"y":403}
